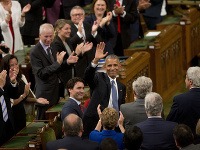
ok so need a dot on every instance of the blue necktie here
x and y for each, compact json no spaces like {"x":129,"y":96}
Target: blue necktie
{"x":114,"y":95}
{"x":4,"y":109}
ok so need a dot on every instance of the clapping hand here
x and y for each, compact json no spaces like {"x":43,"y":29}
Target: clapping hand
{"x":42,"y":101}
{"x":3,"y":75}
{"x":99,"y":52}
{"x":60,"y":57}
{"x":26,"y":9}
{"x":72,"y":59}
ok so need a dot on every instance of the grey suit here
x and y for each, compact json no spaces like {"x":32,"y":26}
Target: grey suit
{"x":133,"y":112}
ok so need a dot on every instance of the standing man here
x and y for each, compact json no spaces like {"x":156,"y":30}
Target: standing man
{"x":75,"y":88}
{"x":124,"y":14}
{"x":46,"y":69}
{"x":157,"y":133}
{"x":134,"y":112}
{"x":105,"y":89}
{"x":186,"y":106}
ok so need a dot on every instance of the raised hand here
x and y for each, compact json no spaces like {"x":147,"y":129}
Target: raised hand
{"x":26,"y":9}
{"x":99,"y":52}
{"x":72,"y":59}
{"x":87,"y":47}
{"x":60,"y":57}
{"x":80,"y":26}
{"x":99,"y":110}
{"x":143,"y":4}
{"x":42,"y":101}
{"x":13,"y":75}
{"x":95,"y":26}
{"x":3,"y":75}
{"x":78,"y":49}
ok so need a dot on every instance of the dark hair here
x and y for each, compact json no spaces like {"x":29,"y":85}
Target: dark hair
{"x":183,"y":135}
{"x":5,"y":65}
{"x":133,"y":138}
{"x":108,"y":144}
{"x":94,"y":2}
{"x":72,"y":125}
{"x":72,"y":82}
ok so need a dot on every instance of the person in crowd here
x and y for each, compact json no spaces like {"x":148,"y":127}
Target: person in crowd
{"x":81,"y":31}
{"x":124,"y":14}
{"x":104,"y":87}
{"x":157,"y":133}
{"x":133,"y":138}
{"x":109,"y":119}
{"x":33,"y":18}
{"x":73,"y":129}
{"x":75,"y":88}
{"x":185,"y":107}
{"x":11,"y":19}
{"x":62,"y":43}
{"x":184,"y":138}
{"x":46,"y":68}
{"x":108,"y":144}
{"x":134,"y":112}
{"x":106,"y":27}
{"x":10,"y":62}
{"x":8,"y":89}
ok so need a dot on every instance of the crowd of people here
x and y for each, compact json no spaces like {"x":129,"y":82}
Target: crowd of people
{"x":67,"y":56}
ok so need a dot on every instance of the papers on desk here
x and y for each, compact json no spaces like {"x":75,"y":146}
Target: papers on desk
{"x":153,"y":33}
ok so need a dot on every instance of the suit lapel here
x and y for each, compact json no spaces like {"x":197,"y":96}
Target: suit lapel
{"x":45,"y":54}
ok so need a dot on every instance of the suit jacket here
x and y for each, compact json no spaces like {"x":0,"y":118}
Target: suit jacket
{"x":71,"y":107}
{"x":157,"y":134}
{"x":65,"y":73}
{"x":185,"y":108}
{"x":72,"y":143}
{"x":191,"y":147}
{"x":130,"y":17}
{"x":83,"y":62}
{"x":100,"y":89}
{"x":46,"y":74}
{"x":133,"y":112}
{"x":67,"y":3}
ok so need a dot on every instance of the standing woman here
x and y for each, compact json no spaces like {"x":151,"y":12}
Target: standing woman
{"x":11,"y":19}
{"x":106,"y":27}
{"x":10,"y":62}
{"x":62,"y":43}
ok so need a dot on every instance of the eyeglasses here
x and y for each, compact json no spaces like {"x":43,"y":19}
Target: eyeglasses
{"x":74,"y":15}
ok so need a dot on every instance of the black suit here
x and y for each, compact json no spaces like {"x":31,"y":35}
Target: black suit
{"x":100,"y":94}
{"x":7,"y":129}
{"x":46,"y":77}
{"x":126,"y":30}
{"x":83,"y":62}
{"x":186,"y":108}
{"x":157,"y":134}
{"x":71,"y":107}
{"x":72,"y":143}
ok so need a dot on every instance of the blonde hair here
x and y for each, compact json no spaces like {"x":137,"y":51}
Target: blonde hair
{"x":59,"y":24}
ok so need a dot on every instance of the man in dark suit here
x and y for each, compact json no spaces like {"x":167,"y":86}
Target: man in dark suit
{"x":134,"y":112}
{"x":8,"y":89}
{"x":185,"y":107}
{"x":157,"y":133}
{"x":124,"y":14}
{"x":75,"y":87}
{"x":46,"y":69}
{"x":184,"y":138}
{"x":102,"y":92}
{"x":73,"y":129}
{"x":82,"y":31}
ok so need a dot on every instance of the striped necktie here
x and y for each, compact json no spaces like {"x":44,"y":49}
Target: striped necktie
{"x":4,"y":108}
{"x":50,"y":54}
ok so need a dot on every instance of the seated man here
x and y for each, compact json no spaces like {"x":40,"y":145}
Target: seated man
{"x":184,"y":138}
{"x":157,"y":133}
{"x":73,"y":129}
{"x":109,"y":120}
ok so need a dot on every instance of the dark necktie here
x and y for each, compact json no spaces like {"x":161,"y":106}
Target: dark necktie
{"x":114,"y":95}
{"x":50,"y":54}
{"x":118,"y":19}
{"x":4,"y":109}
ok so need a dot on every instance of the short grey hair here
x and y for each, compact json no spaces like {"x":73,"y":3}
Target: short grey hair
{"x":46,"y":26}
{"x":112,"y":56}
{"x":77,"y":7}
{"x":141,"y":86}
{"x":193,"y":74}
{"x":153,"y":104}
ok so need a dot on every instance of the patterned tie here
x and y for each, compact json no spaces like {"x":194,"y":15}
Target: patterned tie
{"x":114,"y":95}
{"x":118,"y":19}
{"x":50,"y":54}
{"x":4,"y":109}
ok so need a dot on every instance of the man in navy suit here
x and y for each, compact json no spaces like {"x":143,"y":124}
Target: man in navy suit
{"x":73,"y":129}
{"x":186,"y":106}
{"x":157,"y":133}
{"x":100,"y":87}
{"x":75,"y":87}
